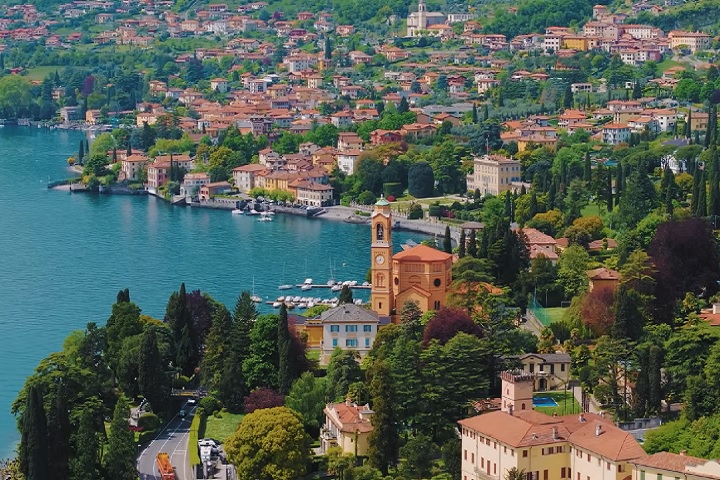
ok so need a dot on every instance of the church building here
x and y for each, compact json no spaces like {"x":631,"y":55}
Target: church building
{"x":419,"y":21}
{"x":420,"y":274}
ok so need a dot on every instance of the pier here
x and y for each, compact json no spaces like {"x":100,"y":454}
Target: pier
{"x":359,"y":287}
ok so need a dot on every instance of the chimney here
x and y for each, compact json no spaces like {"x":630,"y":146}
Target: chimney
{"x":555,"y":433}
{"x":581,"y":418}
{"x":598,"y":430}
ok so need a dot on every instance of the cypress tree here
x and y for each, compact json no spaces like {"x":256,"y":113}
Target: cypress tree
{"x":328,"y":48}
{"x":128,"y":152}
{"x":447,"y":241}
{"x":713,"y":201}
{"x":609,"y":192}
{"x":533,"y":204}
{"x":33,"y":450}
{"x":59,"y":436}
{"x":552,"y":192}
{"x":618,"y":183}
{"x":84,"y":463}
{"x":688,"y":125}
{"x":669,"y":209}
{"x":587,"y":170}
{"x":2,"y":62}
{"x":461,"y":245}
{"x":285,"y":370}
{"x":384,"y":441}
{"x":702,"y":197}
{"x":637,"y":90}
{"x":346,"y":295}
{"x":486,"y":112}
{"x":232,"y":387}
{"x":114,"y":155}
{"x":472,"y":244}
{"x":120,"y":455}
{"x":178,"y":316}
{"x":695,"y":191}
{"x":152,"y":381}
{"x":474,"y":114}
{"x":508,"y":205}
{"x":568,"y":97}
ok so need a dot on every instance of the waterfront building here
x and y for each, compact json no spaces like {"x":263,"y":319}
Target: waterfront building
{"x":348,"y":426}
{"x":493,"y":174}
{"x":245,"y":176}
{"x":583,"y":447}
{"x":131,"y":166}
{"x":313,"y":194}
{"x":419,"y":274}
{"x":192,"y":182}
{"x":349,"y":327}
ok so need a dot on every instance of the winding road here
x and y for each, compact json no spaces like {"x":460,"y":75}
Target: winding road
{"x":173,"y":440}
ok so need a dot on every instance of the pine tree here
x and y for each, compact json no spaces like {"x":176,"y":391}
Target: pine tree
{"x":152,"y":381}
{"x":461,"y":245}
{"x":447,"y":241}
{"x":403,"y":107}
{"x":59,"y":436}
{"x":120,"y":455}
{"x":472,"y":244}
{"x":84,"y":463}
{"x":346,"y":295}
{"x":384,"y":441}
{"x":285,"y":370}
{"x":33,"y":450}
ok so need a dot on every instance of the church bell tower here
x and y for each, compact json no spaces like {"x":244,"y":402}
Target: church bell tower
{"x":381,"y":295}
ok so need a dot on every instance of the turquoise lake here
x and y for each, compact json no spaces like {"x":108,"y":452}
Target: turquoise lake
{"x":64,"y":256}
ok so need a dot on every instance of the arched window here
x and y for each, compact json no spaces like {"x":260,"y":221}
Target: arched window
{"x":380,"y":280}
{"x":380,"y":232}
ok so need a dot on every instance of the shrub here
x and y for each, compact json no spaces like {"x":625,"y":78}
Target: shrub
{"x":435,"y":210}
{"x":208,"y":405}
{"x":263,"y":398}
{"x":148,"y":421}
{"x":415,"y":212}
{"x":393,"y":189}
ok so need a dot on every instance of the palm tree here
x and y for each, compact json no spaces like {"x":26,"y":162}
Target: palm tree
{"x":515,"y":474}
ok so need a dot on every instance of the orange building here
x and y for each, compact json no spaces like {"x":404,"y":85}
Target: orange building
{"x":420,"y":274}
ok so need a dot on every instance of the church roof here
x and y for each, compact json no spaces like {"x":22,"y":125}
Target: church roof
{"x":382,"y":202}
{"x":422,"y":253}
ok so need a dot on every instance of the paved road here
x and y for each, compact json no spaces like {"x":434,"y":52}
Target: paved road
{"x":173,"y":440}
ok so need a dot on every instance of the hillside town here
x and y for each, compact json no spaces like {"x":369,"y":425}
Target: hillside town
{"x":563,"y":327}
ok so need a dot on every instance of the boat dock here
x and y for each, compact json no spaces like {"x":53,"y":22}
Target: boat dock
{"x":312,"y":285}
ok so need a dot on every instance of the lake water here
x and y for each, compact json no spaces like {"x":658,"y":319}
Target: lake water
{"x":64,"y":256}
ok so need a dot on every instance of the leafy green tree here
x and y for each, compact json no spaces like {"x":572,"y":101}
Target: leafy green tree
{"x":33,"y":450}
{"x":638,"y":199}
{"x":418,"y":453}
{"x":218,"y":349}
{"x":572,"y":267}
{"x":260,"y":367}
{"x":308,"y":397}
{"x":342,"y":371}
{"x":384,"y":441}
{"x":284,"y":458}
{"x":421,"y":180}
{"x":120,"y":456}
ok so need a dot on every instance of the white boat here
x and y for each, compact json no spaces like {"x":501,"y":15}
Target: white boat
{"x":296,"y":298}
{"x":264,"y":217}
{"x":302,"y":305}
{"x":289,"y":305}
{"x":358,"y":302}
{"x":336,"y":287}
{"x":256,"y":299}
{"x":353,"y":283}
{"x":281,"y":299}
{"x":306,"y":286}
{"x":311,"y":304}
{"x":252,"y":212}
{"x":330,"y":283}
{"x":285,"y":287}
{"x":277,"y":304}
{"x":237,"y":211}
{"x":366,"y":284}
{"x":308,"y":281}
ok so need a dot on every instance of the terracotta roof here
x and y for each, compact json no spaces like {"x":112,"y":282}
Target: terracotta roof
{"x":349,"y":418}
{"x":612,"y":443}
{"x":603,"y":273}
{"x":422,"y":253}
{"x":536,"y":237}
{"x":673,"y":462}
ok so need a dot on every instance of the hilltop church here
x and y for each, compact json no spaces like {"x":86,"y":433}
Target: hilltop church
{"x":421,"y":274}
{"x":422,"y":19}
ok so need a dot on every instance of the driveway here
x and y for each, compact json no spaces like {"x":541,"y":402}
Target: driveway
{"x":173,"y":440}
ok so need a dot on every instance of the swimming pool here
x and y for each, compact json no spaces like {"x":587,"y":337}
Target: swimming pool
{"x":544,"y":402}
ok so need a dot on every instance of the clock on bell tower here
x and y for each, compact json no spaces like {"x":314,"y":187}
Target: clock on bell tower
{"x":381,"y":293}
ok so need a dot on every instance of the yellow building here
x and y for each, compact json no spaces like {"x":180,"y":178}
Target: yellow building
{"x":347,"y":425}
{"x":575,"y":42}
{"x":671,"y":466}
{"x":419,"y":274}
{"x":573,"y":447}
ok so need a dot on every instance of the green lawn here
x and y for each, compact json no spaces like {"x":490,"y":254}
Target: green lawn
{"x":667,"y":63}
{"x":39,"y":73}
{"x":313,"y":355}
{"x":590,"y":210}
{"x":563,"y":408}
{"x":550,"y":315}
{"x":221,"y":428}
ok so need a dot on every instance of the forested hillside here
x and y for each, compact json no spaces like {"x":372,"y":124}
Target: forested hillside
{"x":696,"y":15}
